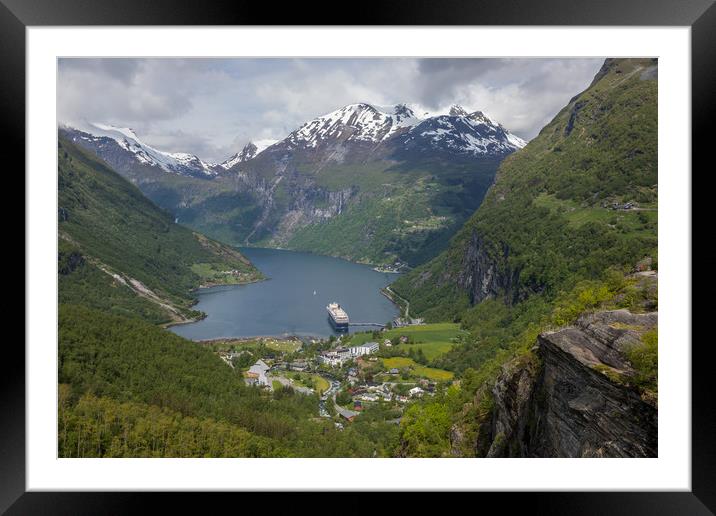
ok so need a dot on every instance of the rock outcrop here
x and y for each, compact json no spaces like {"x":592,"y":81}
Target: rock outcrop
{"x":572,"y":397}
{"x":482,"y":276}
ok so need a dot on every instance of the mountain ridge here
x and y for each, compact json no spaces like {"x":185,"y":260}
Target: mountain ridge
{"x":370,"y":124}
{"x":425,"y":173}
{"x":587,"y":160}
{"x":120,"y":252}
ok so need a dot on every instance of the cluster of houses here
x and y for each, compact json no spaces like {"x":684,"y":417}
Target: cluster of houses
{"x":341,"y":355}
{"x":401,"y":322}
{"x":372,"y":393}
{"x":618,"y":206}
{"x":625,"y":206}
{"x":258,"y":375}
{"x":300,"y":365}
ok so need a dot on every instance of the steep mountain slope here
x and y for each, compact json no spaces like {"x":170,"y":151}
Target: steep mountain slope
{"x":575,"y":399}
{"x":120,"y":252}
{"x":130,"y":389}
{"x":549,"y":219}
{"x":565,"y":236}
{"x":420,"y":177}
{"x":126,"y":139}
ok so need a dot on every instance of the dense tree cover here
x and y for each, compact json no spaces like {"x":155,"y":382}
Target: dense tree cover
{"x":600,"y":148}
{"x":81,"y":282}
{"x":128,"y":385}
{"x":105,"y":427}
{"x":645,"y":360}
{"x":108,"y":219}
{"x":503,"y":333}
{"x":547,"y":226}
{"x":405,"y":212}
{"x":130,"y":360}
{"x":426,"y":429}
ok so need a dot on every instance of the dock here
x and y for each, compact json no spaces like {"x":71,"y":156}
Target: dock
{"x":378,"y":325}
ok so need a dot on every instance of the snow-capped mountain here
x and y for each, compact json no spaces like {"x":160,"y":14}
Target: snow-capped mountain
{"x":399,"y":127}
{"x":280,"y":193}
{"x":175,"y":162}
{"x":356,"y":122}
{"x":355,"y":132}
{"x":183,"y":163}
{"x":462,"y":133}
{"x":250,"y":151}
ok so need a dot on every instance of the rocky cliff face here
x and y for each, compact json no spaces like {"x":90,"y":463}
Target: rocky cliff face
{"x":483,"y":277}
{"x":309,"y":205}
{"x":572,"y":397}
{"x":289,"y":200}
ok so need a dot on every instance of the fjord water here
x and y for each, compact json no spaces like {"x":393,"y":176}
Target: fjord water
{"x":285,"y":303}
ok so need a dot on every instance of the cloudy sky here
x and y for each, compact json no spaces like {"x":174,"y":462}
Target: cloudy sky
{"x":212,"y":107}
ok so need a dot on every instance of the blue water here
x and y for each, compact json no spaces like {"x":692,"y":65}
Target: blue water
{"x":285,"y":304}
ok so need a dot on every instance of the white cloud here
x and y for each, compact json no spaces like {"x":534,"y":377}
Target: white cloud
{"x":212,"y":107}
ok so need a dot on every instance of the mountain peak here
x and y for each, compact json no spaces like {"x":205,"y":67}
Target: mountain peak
{"x":361,"y":122}
{"x":124,"y":131}
{"x":250,"y":151}
{"x":403,"y":110}
{"x":175,"y":162}
{"x":457,"y":110}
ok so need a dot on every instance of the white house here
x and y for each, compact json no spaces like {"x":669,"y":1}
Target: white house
{"x":258,"y":371}
{"x":416,"y":392}
{"x":364,"y":349}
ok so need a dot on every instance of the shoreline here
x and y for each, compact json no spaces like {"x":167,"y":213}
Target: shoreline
{"x":388,"y":293}
{"x":213,"y":285}
{"x":257,"y":337}
{"x":385,"y":291}
{"x":373,"y":266}
{"x":195,"y":301}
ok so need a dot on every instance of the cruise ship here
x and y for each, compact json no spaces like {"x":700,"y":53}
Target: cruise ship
{"x":338,"y":317}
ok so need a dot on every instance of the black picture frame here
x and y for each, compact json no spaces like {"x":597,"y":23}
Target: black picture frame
{"x":700,"y":15}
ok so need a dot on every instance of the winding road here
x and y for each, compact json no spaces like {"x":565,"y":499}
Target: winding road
{"x":407,"y":303}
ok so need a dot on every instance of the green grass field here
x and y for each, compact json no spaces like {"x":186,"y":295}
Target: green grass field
{"x":284,"y":346}
{"x":220,"y":274}
{"x":417,"y":370}
{"x":322,"y":384}
{"x":627,"y":221}
{"x":310,"y":380}
{"x":434,"y":339}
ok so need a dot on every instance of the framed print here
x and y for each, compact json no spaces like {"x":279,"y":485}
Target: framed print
{"x":416,"y":253}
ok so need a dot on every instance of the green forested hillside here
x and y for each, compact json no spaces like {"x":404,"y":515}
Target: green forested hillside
{"x":115,"y":244}
{"x":548,"y":221}
{"x":128,"y":388}
{"x":404,"y":212}
{"x":547,"y":243}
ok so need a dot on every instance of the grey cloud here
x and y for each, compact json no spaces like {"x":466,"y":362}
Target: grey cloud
{"x":212,"y":107}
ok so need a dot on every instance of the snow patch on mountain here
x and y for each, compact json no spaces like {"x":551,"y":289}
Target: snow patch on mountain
{"x":465,"y":133}
{"x":250,"y":151}
{"x":176,"y":162}
{"x":453,"y":129}
{"x":361,"y":122}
